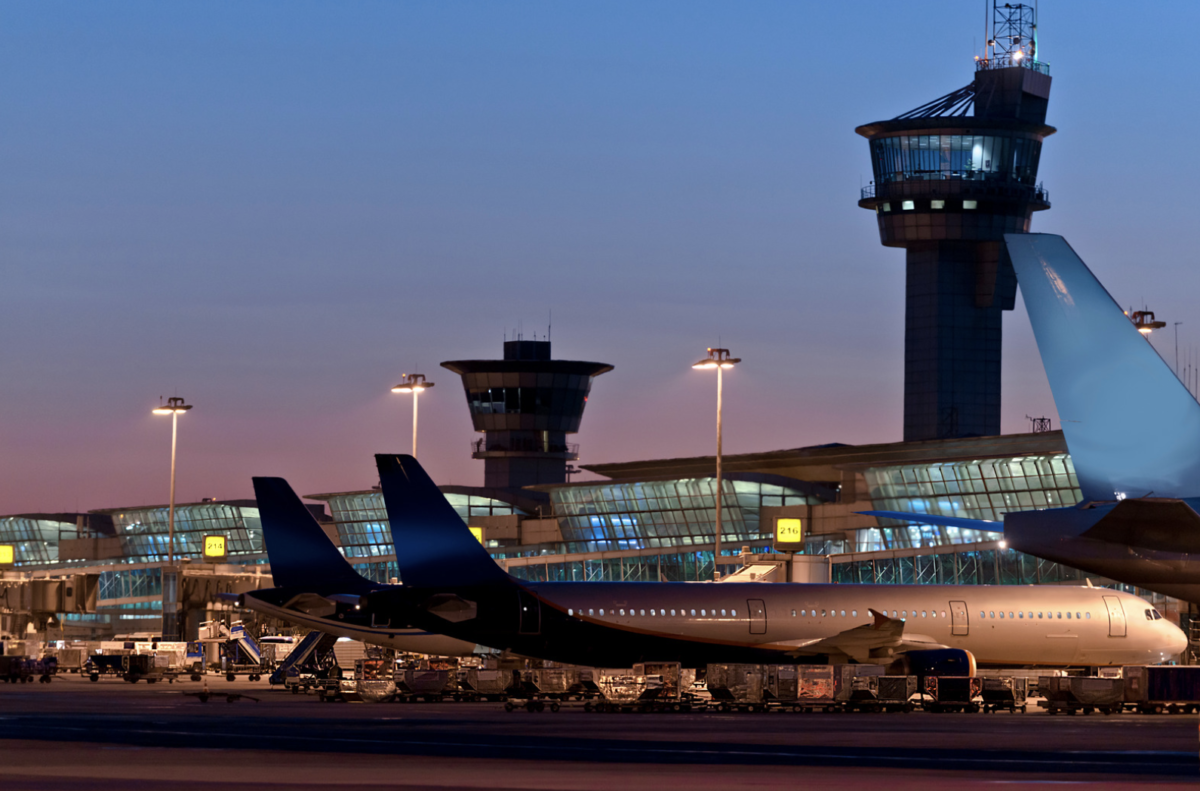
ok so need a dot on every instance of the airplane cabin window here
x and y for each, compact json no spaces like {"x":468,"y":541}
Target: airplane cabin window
{"x":843,"y":613}
{"x":1010,"y":615}
{"x":622,"y":611}
{"x":1002,"y":613}
{"x":1020,"y":615}
{"x":672,"y":612}
{"x":601,"y":611}
{"x":570,"y":611}
{"x":651,"y":612}
{"x":854,"y":613}
{"x":1068,"y":616}
{"x":702,"y":612}
{"x":722,"y":612}
{"x":982,"y":614}
{"x":904,"y":613}
{"x":943,"y":613}
{"x":1060,"y":616}
{"x":591,"y":612}
{"x":693,"y":613}
{"x":641,"y":612}
{"x":1039,"y":616}
{"x":1088,"y":615}
{"x":923,"y":613}
{"x":793,"y":613}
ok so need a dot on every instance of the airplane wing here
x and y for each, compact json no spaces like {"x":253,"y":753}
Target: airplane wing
{"x":861,"y":642}
{"x":935,"y":519}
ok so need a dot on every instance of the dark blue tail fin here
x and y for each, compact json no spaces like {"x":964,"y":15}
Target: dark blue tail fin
{"x":300,"y":553}
{"x":434,"y":548}
{"x":1132,"y":427}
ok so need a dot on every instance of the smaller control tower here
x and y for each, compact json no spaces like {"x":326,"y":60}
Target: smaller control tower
{"x":525,"y":405}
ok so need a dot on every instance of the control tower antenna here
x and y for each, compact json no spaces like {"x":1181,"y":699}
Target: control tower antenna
{"x":1013,"y":36}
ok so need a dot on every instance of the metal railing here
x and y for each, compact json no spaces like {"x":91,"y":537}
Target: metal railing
{"x":519,"y":445}
{"x":872,"y":191}
{"x":1008,"y":62}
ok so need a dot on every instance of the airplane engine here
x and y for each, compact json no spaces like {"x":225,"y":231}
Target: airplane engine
{"x":938,"y":662}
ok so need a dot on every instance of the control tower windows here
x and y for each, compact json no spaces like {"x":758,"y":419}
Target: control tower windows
{"x":967,"y":157}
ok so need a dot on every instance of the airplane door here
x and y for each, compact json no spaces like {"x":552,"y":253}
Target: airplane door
{"x":758,"y":616}
{"x":960,"y":624}
{"x":1116,"y":616}
{"x":531,"y":613}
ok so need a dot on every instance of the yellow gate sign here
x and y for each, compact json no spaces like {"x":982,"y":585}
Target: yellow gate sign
{"x":477,"y":532}
{"x":214,"y":547}
{"x":8,"y":554}
{"x":788,"y":530}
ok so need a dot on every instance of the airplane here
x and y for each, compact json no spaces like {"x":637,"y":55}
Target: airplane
{"x":451,"y":585}
{"x":318,"y":588}
{"x":1132,"y":428}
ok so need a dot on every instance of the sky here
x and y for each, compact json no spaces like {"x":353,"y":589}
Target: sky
{"x":275,"y":209}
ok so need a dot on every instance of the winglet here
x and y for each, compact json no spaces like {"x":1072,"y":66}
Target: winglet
{"x":300,"y":553}
{"x":434,"y":548}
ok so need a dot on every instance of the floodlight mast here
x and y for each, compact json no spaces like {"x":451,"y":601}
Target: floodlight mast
{"x":415,"y":384}
{"x":175,"y":407}
{"x":718,"y":359}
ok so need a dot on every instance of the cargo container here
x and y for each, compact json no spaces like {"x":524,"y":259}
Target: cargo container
{"x":1005,"y":693}
{"x":953,"y":693}
{"x":1163,"y":689}
{"x":1072,"y":694}
{"x":881,"y":693}
{"x":736,"y":686}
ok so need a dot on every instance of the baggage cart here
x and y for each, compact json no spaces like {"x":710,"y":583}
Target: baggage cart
{"x":1163,"y":689}
{"x":882,"y":693}
{"x":737,"y":686}
{"x":629,"y":689}
{"x":431,"y":686}
{"x":953,"y":693}
{"x":479,"y":684}
{"x":1005,"y":693}
{"x":1073,"y":694}
{"x":816,"y":688}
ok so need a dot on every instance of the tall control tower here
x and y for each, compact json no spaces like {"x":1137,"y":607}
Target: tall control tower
{"x":951,"y":178}
{"x":525,"y":405}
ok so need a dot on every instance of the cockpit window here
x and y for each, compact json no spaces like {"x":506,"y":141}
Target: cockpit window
{"x":1149,"y":617}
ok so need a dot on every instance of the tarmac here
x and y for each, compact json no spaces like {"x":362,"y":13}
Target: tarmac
{"x":110,"y":734}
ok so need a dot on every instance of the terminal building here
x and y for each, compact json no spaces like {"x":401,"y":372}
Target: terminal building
{"x":950,"y":178}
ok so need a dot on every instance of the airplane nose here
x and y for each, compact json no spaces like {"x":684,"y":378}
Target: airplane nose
{"x":1177,"y":642}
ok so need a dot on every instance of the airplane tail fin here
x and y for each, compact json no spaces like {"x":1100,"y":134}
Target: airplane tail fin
{"x":1132,"y":427}
{"x":434,"y":548}
{"x":300,"y":553}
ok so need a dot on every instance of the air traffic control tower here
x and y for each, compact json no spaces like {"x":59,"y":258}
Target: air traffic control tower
{"x":526,"y":405}
{"x":950,"y":179}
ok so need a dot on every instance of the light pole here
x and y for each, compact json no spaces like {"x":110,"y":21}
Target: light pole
{"x":718,"y":359}
{"x":415,"y":384}
{"x":175,"y":407}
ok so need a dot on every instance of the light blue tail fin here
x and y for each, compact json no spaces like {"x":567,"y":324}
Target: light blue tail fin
{"x":434,"y":548}
{"x":300,"y":553}
{"x":1132,"y":428}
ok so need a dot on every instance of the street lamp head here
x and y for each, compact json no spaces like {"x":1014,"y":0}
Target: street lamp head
{"x":412,"y":383}
{"x":717,"y":358}
{"x":174,"y":406}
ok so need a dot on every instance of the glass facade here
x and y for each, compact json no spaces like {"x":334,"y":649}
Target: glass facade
{"x":969,"y":157}
{"x":143,"y":532}
{"x":362,"y":525}
{"x":675,"y":513}
{"x":547,"y":401}
{"x":33,"y":540}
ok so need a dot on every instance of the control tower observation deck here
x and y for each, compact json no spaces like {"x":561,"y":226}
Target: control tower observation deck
{"x":950,"y":179}
{"x":526,"y":405}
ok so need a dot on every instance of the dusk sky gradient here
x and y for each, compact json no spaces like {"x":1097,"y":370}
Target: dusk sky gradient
{"x":274,"y":209}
